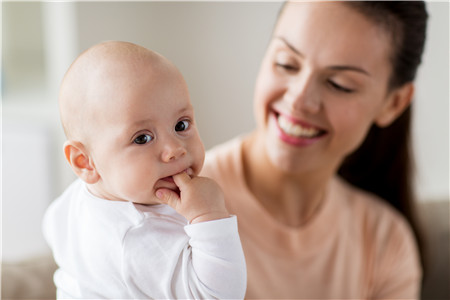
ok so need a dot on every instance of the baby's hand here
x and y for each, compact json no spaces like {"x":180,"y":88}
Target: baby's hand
{"x":200,"y":199}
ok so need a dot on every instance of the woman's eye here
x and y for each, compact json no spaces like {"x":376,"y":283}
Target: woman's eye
{"x":287,"y":67}
{"x":143,"y":139}
{"x":182,"y":125}
{"x":339,"y":87}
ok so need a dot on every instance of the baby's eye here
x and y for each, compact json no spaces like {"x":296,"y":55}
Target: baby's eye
{"x":182,"y":125}
{"x":143,"y":139}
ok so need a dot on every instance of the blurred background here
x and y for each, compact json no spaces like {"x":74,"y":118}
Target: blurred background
{"x":217,"y":46}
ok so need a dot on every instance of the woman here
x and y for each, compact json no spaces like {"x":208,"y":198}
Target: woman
{"x":321,"y":188}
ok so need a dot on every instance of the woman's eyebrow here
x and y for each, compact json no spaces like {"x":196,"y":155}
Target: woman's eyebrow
{"x":289,"y":45}
{"x":336,"y":68}
{"x":349,"y":68}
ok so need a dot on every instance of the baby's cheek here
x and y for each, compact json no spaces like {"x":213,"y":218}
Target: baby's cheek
{"x":197,"y":151}
{"x":134,"y":186}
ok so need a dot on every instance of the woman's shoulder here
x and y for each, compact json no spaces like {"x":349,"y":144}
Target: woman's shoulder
{"x":387,"y":239}
{"x":224,"y":159}
{"x":374,"y":213}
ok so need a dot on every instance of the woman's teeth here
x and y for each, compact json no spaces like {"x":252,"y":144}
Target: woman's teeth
{"x":296,"y":130}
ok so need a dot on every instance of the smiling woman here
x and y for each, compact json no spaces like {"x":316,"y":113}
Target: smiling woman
{"x":330,"y":73}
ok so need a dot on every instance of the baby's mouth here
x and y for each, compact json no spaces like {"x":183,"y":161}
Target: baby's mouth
{"x":298,"y":130}
{"x":168,"y":179}
{"x":172,"y":185}
{"x":189,"y":171}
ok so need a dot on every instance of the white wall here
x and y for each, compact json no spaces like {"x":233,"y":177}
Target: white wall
{"x":217,"y":46}
{"x":431,"y":108}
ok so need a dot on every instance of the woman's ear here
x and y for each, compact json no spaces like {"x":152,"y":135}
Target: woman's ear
{"x":80,"y":161}
{"x":397,"y":102}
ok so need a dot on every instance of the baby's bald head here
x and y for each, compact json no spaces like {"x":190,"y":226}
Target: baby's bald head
{"x":90,"y":79}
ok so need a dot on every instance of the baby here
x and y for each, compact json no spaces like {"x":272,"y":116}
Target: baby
{"x":133,"y":143}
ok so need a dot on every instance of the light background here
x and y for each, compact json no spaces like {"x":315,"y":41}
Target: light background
{"x":217,"y":46}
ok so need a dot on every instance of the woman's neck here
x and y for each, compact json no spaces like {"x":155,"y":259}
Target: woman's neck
{"x":292,"y":199}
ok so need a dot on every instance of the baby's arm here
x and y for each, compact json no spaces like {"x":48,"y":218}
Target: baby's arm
{"x":200,"y":200}
{"x":218,"y":264}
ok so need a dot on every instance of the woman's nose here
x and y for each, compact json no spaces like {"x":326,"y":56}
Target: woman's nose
{"x":172,"y":150}
{"x":303,"y":96}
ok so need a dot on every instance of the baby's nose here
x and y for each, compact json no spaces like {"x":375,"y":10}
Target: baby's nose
{"x":173,"y":151}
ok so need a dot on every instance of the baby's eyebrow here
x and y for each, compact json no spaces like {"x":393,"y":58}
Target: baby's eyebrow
{"x":143,"y":122}
{"x":139,"y":123}
{"x":185,"y":109}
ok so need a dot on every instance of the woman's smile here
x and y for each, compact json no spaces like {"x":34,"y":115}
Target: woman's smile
{"x":296,"y":132}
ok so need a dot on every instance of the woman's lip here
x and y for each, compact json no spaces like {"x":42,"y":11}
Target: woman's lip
{"x":296,"y":121}
{"x":295,"y":140}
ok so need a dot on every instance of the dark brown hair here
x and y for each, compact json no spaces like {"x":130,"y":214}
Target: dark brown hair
{"x":383,"y":164}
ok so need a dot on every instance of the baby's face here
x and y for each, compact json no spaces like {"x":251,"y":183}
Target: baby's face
{"x":143,"y":134}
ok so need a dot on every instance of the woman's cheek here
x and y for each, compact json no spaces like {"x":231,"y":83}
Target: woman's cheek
{"x":268,"y":90}
{"x":351,"y":130}
{"x":259,"y":103}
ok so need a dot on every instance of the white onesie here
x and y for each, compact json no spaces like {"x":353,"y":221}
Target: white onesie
{"x":112,"y":249}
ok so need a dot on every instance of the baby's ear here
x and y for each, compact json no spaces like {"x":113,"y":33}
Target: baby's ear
{"x":80,"y":161}
{"x":397,"y":102}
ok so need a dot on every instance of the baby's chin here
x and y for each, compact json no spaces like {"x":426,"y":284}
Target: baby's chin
{"x":152,"y":201}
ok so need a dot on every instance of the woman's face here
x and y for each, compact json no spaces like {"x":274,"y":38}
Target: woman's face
{"x":322,"y":84}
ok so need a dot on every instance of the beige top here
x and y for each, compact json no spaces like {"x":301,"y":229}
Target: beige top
{"x":355,"y":247}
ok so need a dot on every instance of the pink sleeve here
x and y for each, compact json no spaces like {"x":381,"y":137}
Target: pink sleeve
{"x":398,"y":273}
